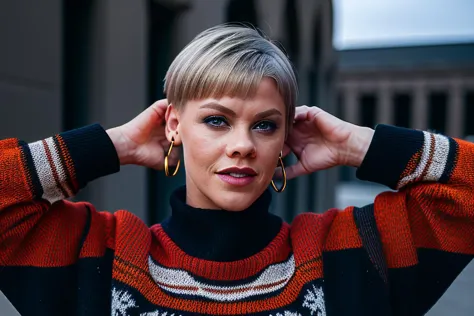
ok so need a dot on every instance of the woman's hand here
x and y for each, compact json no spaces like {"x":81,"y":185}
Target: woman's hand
{"x":142,"y":141}
{"x":321,"y":141}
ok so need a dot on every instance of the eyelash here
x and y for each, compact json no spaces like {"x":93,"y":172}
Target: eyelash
{"x":271,"y":126}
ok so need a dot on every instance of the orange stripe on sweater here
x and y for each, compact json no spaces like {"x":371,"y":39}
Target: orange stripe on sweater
{"x":412,"y":164}
{"x":49,"y":238}
{"x":8,"y":143}
{"x":14,"y":183}
{"x":442,"y":215}
{"x":168,"y":254}
{"x":343,"y":233}
{"x":394,"y":227}
{"x":69,"y":164}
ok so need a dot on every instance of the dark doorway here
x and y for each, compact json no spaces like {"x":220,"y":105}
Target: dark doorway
{"x":402,"y":109}
{"x":242,"y":12}
{"x":368,"y":109}
{"x":437,"y":111}
{"x":77,"y":37}
{"x":468,"y":113}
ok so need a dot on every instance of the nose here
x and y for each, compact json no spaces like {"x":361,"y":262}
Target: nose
{"x":240,"y":144}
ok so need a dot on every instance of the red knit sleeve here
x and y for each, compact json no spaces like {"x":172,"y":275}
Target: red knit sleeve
{"x":433,"y":207}
{"x":37,"y":226}
{"x":426,"y":225}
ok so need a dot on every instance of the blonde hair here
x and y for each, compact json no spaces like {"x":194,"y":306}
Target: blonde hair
{"x":229,"y":61}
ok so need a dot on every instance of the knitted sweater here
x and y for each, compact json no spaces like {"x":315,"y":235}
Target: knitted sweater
{"x":394,"y":257}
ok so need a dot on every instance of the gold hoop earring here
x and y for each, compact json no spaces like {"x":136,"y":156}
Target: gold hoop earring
{"x":280,"y":164}
{"x":167,"y":171}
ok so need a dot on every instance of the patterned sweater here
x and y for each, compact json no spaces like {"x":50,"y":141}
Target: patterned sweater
{"x":396,"y":256}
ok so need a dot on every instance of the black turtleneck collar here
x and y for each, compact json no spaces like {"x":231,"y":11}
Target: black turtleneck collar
{"x":220,"y":235}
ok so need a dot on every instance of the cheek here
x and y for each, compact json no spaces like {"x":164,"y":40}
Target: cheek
{"x":268,"y":156}
{"x":201,"y":149}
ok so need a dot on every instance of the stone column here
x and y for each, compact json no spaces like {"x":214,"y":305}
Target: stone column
{"x":30,"y":69}
{"x":455,"y":109}
{"x":351,"y":103}
{"x":385,"y":107}
{"x":419,"y":117}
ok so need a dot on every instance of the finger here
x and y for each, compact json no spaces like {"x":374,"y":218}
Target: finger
{"x":303,"y":113}
{"x":300,"y":117}
{"x":305,"y":108}
{"x":286,"y":150}
{"x":152,"y":116}
{"x":160,"y":105}
{"x":295,"y":170}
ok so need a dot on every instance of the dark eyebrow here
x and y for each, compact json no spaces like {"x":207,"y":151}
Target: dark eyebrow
{"x":267,"y":113}
{"x":223,"y":109}
{"x":218,"y":107}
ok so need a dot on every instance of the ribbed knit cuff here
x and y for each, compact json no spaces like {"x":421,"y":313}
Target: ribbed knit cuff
{"x":389,"y":153}
{"x":92,"y":152}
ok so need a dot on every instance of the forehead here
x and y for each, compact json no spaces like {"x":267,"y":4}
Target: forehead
{"x":265,"y":96}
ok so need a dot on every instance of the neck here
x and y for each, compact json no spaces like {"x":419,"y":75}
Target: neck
{"x":220,"y":235}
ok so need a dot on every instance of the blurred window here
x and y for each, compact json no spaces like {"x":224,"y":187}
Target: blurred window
{"x":437,"y":111}
{"x":469,"y":113}
{"x":340,"y":105}
{"x":402,"y":109}
{"x":367,"y":109}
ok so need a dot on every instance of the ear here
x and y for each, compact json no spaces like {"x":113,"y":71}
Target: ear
{"x":172,"y":125}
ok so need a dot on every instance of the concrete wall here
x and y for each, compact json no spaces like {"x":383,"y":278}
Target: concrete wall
{"x":117,"y":82}
{"x":30,"y":68}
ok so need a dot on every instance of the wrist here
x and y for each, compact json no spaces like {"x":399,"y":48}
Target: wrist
{"x":358,"y":146}
{"x":121,"y":145}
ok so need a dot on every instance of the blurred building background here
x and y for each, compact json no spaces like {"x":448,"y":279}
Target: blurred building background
{"x":69,"y":63}
{"x":423,"y":87}
{"x":65,"y":64}
{"x":423,"y":82}
{"x":427,"y":87}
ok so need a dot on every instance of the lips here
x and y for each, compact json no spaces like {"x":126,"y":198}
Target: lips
{"x":238,"y":172}
{"x":236,"y":176}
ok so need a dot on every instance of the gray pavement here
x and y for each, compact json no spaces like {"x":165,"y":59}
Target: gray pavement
{"x":459,"y":299}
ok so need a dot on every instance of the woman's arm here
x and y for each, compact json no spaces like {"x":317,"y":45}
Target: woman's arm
{"x":426,"y":228}
{"x":34,"y":180}
{"x":418,"y":237}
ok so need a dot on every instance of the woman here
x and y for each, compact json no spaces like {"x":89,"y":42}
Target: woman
{"x":231,"y":107}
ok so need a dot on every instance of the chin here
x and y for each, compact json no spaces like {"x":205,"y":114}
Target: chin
{"x":235,"y":201}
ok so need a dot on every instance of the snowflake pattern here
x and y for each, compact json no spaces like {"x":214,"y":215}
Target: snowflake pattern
{"x":157,"y":313}
{"x":121,"y":302}
{"x":314,"y":301}
{"x":287,"y":313}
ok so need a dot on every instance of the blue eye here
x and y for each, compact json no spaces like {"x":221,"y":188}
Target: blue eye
{"x":265,"y":126}
{"x":216,"y":121}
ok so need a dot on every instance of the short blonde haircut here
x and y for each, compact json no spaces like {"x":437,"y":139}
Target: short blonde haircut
{"x":230,"y":61}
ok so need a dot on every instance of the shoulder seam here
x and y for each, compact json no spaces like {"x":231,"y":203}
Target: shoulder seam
{"x":368,"y":232}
